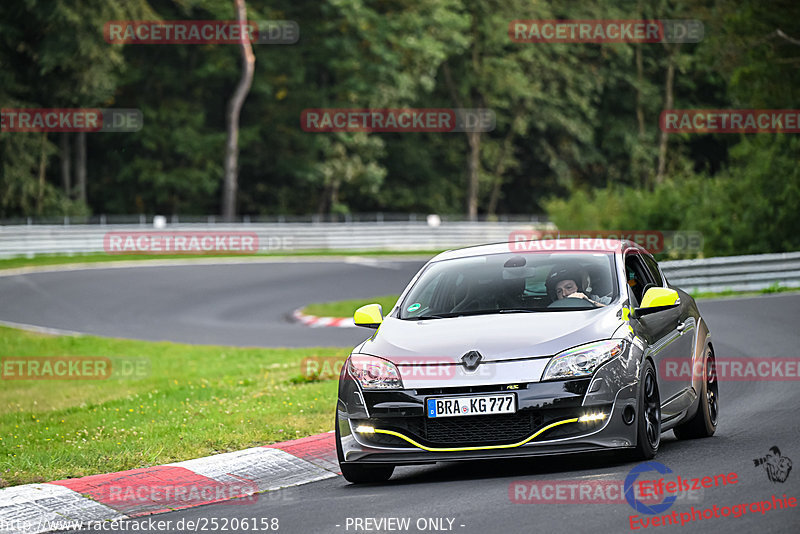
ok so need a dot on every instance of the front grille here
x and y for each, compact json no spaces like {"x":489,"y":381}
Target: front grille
{"x":459,"y":431}
{"x":481,"y":429}
{"x":386,"y":440}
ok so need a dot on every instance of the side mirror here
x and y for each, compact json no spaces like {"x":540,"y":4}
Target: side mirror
{"x":658,"y":299}
{"x":370,"y":316}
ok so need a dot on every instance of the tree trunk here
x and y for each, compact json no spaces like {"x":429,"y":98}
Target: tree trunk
{"x":494,"y":197}
{"x":640,"y":163}
{"x":668,"y":103}
{"x":473,"y":163}
{"x":334,"y":198}
{"x":80,"y":166}
{"x":322,"y":205}
{"x":473,"y":159}
{"x":640,"y":112}
{"x":42,"y":169}
{"x":231,"y":179}
{"x":66,"y":165}
{"x":499,"y":169}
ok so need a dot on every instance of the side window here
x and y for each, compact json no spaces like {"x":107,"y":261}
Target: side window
{"x":652,"y":266}
{"x":632,"y":297}
{"x":638,"y":276}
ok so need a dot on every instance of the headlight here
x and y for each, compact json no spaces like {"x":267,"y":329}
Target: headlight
{"x":374,"y":373}
{"x":583,"y":360}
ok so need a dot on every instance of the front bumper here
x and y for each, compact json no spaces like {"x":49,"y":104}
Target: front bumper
{"x":546,"y":421}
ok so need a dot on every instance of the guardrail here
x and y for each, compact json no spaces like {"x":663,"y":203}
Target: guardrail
{"x":30,"y":240}
{"x":738,"y":273}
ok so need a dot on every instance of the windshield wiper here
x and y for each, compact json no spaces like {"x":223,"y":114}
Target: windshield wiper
{"x":473,"y":312}
{"x":424,"y":317}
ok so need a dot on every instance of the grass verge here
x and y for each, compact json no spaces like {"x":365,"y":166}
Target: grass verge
{"x":346,"y":308}
{"x":774,"y":288}
{"x":193,"y":401}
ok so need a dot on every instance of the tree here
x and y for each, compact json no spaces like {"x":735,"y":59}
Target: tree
{"x":545,"y":93}
{"x":232,"y":119}
{"x":54,"y":55}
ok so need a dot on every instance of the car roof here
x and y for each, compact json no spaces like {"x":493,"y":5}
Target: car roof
{"x":539,"y":246}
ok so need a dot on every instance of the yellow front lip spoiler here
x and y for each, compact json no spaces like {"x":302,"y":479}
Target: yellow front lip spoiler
{"x":488,"y":447}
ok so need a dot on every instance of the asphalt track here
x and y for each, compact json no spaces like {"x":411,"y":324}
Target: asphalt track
{"x":245,"y":305}
{"x":200,"y":304}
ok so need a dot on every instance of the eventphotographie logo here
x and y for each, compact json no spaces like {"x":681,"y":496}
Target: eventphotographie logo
{"x":777,"y":467}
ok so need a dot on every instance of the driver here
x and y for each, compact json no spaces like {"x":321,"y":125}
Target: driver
{"x":567,"y":282}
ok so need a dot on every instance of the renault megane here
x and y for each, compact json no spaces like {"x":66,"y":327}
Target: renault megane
{"x":505,"y":350}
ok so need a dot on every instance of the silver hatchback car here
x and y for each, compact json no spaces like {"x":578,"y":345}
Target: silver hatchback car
{"x":525,"y":349}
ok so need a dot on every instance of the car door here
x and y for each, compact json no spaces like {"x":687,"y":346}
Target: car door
{"x":665,"y":339}
{"x":684,"y":345}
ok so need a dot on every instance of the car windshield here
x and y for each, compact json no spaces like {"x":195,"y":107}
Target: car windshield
{"x":512,"y":283}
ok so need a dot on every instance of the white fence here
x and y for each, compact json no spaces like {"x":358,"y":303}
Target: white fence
{"x":713,"y":274}
{"x":739,"y":273}
{"x":30,"y":240}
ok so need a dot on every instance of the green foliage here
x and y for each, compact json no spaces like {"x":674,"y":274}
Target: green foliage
{"x":752,"y":207}
{"x":20,"y":190}
{"x":576,"y":122}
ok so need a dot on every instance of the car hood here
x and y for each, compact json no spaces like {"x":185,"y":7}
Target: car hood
{"x":496,"y":336}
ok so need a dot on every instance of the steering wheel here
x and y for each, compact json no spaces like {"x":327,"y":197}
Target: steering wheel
{"x":468,"y":303}
{"x":572,"y":303}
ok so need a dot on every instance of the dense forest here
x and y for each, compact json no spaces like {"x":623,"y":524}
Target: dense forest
{"x":577,"y":133}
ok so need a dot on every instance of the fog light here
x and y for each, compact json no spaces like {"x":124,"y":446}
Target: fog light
{"x":628,"y":415}
{"x":589,"y":417}
{"x":364,"y":429}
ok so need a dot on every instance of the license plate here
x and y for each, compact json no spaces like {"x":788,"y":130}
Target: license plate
{"x":483,"y":405}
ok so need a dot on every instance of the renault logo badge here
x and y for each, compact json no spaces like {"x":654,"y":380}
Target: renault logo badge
{"x":471,"y":360}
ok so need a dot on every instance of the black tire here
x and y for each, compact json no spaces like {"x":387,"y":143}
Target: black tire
{"x":360,"y":473}
{"x":366,"y":474}
{"x":648,"y":418}
{"x":704,"y":422}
